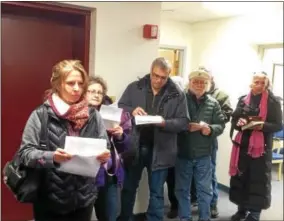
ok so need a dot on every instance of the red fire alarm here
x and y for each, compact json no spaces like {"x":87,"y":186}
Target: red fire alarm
{"x":150,"y":31}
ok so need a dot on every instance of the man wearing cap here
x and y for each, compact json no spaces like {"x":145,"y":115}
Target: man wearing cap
{"x":227,"y":110}
{"x":195,"y":144}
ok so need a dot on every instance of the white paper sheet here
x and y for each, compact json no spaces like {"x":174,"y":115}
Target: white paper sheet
{"x":111,"y":115}
{"x":85,"y":152}
{"x":110,"y":124}
{"x":148,"y":119}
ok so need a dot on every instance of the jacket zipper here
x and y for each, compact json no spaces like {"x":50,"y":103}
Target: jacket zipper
{"x":75,"y":196}
{"x":153,"y":101}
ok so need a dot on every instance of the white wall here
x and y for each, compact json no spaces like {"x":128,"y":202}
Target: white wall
{"x":229,"y":47}
{"x":177,"y":34}
{"x":120,"y":54}
{"x":118,"y":51}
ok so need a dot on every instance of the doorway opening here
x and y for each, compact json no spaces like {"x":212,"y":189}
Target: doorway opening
{"x":277,"y":80}
{"x":272,"y":62}
{"x":176,"y":56}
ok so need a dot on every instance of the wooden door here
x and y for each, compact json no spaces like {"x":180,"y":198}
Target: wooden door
{"x":33,"y":38}
{"x":173,"y":56}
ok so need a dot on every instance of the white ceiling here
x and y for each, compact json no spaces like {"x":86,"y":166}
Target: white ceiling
{"x":201,"y":11}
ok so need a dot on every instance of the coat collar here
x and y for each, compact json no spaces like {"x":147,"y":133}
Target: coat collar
{"x":202,"y":99}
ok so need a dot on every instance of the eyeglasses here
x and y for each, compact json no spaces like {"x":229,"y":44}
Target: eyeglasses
{"x":158,"y":77}
{"x":93,"y":92}
{"x":202,"y":83}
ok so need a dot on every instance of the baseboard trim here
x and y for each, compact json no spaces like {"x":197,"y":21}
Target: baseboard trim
{"x":139,"y":216}
{"x":222,"y":187}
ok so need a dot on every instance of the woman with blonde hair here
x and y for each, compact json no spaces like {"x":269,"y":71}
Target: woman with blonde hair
{"x":62,"y":196}
{"x":250,"y":166}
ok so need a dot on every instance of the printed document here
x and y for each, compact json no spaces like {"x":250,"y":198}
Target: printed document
{"x":148,"y":119}
{"x":111,"y":115}
{"x":85,"y":151}
{"x":252,"y":124}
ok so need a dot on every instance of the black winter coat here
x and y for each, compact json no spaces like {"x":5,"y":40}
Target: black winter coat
{"x":252,"y":189}
{"x":60,"y":192}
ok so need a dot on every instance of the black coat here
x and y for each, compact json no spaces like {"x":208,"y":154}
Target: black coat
{"x":252,"y":189}
{"x":60,"y":192}
{"x":172,"y":107}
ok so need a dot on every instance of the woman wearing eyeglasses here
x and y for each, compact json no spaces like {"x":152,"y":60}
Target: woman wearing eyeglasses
{"x":110,"y":176}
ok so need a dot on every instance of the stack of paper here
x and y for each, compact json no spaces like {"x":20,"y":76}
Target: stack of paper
{"x":252,"y":124}
{"x":111,"y":116}
{"x":85,"y":151}
{"x":148,"y":119}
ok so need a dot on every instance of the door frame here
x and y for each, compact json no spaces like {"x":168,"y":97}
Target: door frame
{"x":50,"y":8}
{"x":183,"y":53}
{"x":273,"y":73}
{"x":263,"y":47}
{"x":64,"y":8}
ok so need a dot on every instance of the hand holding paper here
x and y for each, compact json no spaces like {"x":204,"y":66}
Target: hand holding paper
{"x":60,"y":156}
{"x":116,"y":131}
{"x":203,"y":126}
{"x":111,"y":116}
{"x":104,"y":156}
{"x":206,"y":130}
{"x":148,"y":119}
{"x":241,"y":122}
{"x":139,"y":112}
{"x":85,"y":152}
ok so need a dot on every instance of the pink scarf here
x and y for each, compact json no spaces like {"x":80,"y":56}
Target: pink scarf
{"x":77,"y":114}
{"x":256,"y":141}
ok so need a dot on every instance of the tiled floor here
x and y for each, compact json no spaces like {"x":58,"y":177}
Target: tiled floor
{"x":226,"y":208}
{"x":275,"y":212}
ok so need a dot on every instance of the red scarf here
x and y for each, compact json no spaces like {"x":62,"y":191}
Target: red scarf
{"x":256,"y":141}
{"x":77,"y":114}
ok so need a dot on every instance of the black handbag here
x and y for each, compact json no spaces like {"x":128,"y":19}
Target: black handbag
{"x":24,"y":182}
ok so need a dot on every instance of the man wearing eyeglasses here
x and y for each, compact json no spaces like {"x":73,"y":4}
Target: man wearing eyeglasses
{"x":194,"y":147}
{"x":224,"y":102}
{"x":155,"y":145}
